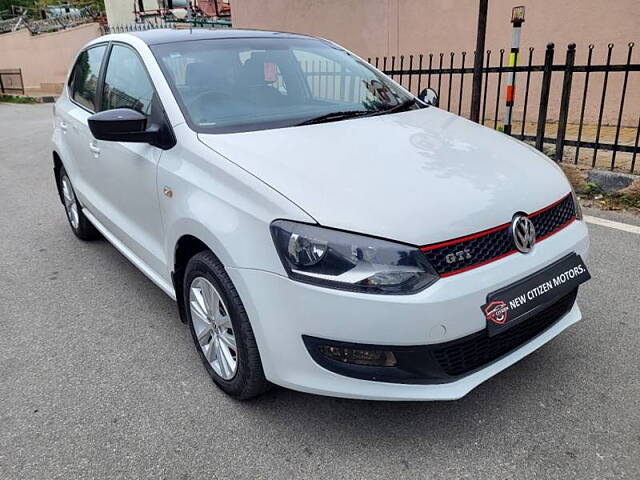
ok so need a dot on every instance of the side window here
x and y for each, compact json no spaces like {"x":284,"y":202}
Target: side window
{"x":84,"y":80}
{"x":126,"y":83}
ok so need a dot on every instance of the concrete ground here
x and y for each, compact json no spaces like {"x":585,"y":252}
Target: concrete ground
{"x":99,"y":379}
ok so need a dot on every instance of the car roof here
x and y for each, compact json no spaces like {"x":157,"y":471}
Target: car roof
{"x":171,"y":35}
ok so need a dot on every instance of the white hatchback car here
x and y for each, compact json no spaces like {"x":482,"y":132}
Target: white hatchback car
{"x":319,"y":226}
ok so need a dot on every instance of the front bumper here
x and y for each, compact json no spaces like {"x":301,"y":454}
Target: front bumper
{"x":282,"y":311}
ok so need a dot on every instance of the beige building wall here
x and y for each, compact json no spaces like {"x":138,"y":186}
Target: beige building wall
{"x":403,"y":27}
{"x":44,"y":59}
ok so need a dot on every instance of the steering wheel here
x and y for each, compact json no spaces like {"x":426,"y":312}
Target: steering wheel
{"x":208,"y":95}
{"x":204,"y":99}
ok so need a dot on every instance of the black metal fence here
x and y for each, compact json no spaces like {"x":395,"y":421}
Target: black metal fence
{"x":135,"y":27}
{"x":593,"y":141}
{"x":158,"y":23}
{"x":11,"y":81}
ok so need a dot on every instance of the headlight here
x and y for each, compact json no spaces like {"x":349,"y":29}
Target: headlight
{"x":347,"y":261}
{"x":576,"y":204}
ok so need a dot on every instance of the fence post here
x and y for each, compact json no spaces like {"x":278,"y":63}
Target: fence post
{"x":624,"y":91}
{"x":478,"y":60}
{"x":564,"y":102}
{"x":544,"y":96}
{"x":495,"y":117}
{"x":517,"y":22}
{"x":1,"y":84}
{"x":21,"y":81}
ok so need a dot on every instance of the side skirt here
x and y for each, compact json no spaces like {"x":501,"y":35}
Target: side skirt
{"x":132,"y":257}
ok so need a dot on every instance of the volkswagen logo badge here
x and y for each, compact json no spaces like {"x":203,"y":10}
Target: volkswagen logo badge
{"x":524,"y":233}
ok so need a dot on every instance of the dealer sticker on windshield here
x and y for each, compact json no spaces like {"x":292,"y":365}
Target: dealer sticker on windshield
{"x":517,"y":302}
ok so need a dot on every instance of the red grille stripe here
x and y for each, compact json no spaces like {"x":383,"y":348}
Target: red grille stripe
{"x":491,"y":230}
{"x":549,"y":207}
{"x":538,"y":240}
{"x":434,"y":249}
{"x":463,"y":239}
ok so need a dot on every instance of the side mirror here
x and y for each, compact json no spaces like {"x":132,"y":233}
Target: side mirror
{"x":429,"y":96}
{"x":122,"y":125}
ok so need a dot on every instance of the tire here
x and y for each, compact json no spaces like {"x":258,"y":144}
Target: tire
{"x":79,"y":223}
{"x":225,"y":318}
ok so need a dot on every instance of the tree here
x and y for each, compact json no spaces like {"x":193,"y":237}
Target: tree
{"x":6,"y":4}
{"x":35,"y":6}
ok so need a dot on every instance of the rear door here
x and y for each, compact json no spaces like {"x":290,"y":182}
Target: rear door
{"x":123,"y":175}
{"x":72,"y":111}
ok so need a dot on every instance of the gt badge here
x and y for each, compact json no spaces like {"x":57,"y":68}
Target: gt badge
{"x":459,"y":256}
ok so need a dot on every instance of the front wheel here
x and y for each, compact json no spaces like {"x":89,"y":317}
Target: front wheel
{"x":220,"y":328}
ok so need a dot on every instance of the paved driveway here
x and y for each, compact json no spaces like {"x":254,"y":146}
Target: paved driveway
{"x":98,"y":378}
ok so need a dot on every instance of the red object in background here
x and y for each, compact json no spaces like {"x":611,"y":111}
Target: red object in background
{"x":270,"y":72}
{"x":510,"y":92}
{"x":214,"y":8}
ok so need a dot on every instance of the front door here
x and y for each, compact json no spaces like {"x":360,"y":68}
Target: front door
{"x":124,"y":174}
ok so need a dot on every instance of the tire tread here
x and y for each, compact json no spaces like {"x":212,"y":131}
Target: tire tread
{"x":85,"y":231}
{"x":249,"y":381}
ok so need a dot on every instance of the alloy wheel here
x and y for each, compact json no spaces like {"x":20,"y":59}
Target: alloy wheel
{"x":213,"y":328}
{"x":70,"y":203}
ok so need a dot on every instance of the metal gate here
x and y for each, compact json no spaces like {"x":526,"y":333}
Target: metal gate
{"x":11,"y":81}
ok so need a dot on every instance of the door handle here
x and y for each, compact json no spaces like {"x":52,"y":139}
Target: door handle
{"x":93,"y":146}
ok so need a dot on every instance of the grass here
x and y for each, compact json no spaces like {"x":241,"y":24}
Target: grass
{"x":591,"y":194}
{"x":590,"y":188}
{"x":16,"y":99}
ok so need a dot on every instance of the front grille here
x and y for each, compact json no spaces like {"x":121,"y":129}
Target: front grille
{"x":472,"y":251}
{"x":553,"y":218}
{"x":469,"y":353}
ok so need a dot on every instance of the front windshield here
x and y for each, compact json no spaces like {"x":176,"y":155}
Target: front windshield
{"x":243,"y":84}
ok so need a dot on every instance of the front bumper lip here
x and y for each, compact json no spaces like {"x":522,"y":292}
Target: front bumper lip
{"x":441,"y":362}
{"x":370,"y":390}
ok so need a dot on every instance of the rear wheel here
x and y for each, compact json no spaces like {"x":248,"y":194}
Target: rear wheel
{"x":220,"y":328}
{"x":79,"y":223}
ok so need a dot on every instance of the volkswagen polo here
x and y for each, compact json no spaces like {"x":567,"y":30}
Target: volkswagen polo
{"x":319,"y":226}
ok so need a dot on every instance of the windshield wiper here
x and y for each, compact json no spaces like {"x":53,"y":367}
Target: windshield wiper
{"x":396,"y":108}
{"x":334,"y":116}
